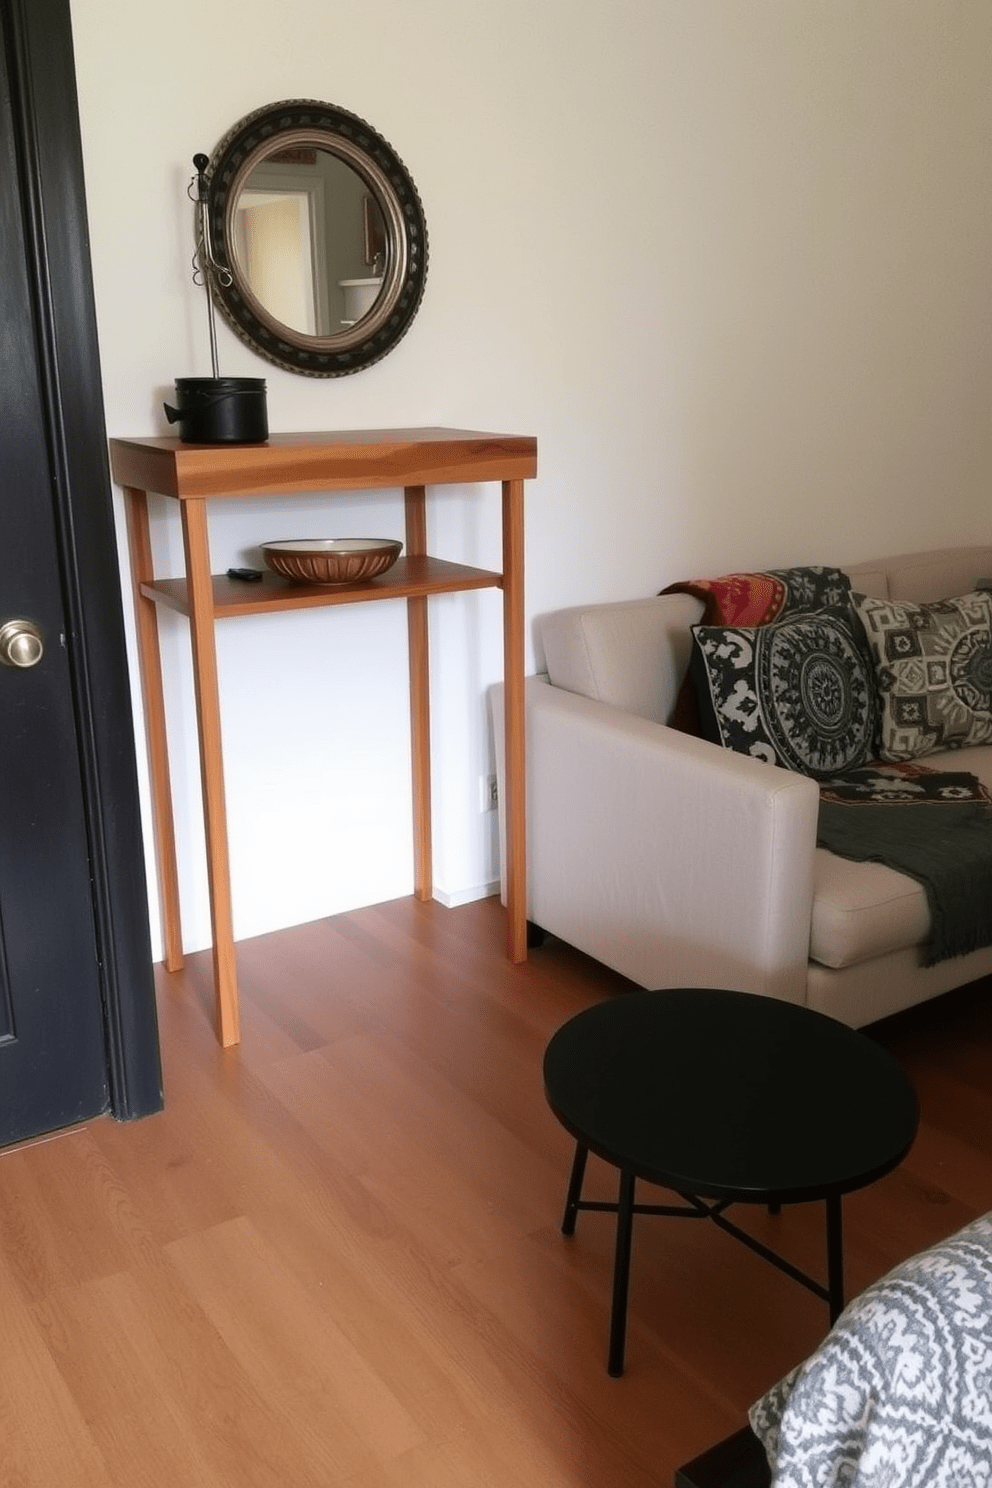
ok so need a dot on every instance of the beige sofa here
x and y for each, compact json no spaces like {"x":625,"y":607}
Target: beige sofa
{"x":679,"y":863}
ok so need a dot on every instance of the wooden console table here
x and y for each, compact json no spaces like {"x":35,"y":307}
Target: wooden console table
{"x":288,"y":464}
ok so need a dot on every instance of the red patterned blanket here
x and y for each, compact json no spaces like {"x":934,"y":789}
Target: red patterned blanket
{"x":753,"y":599}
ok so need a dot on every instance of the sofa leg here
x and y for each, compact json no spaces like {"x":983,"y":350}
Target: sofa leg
{"x":535,"y":935}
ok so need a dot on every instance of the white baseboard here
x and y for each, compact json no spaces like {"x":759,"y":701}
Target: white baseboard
{"x":466,"y":896}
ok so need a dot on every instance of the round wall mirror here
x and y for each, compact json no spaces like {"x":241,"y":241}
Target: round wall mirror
{"x":317,"y":244}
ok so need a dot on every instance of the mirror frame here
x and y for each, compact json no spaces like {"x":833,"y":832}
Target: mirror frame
{"x":309,"y":123}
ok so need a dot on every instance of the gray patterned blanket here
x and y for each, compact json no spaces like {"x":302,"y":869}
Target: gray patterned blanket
{"x":899,"y":1395}
{"x":947,"y":847}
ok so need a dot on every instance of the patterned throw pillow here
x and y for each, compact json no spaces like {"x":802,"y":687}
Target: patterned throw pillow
{"x":799,"y":693}
{"x":754,"y":599}
{"x":933,"y":667}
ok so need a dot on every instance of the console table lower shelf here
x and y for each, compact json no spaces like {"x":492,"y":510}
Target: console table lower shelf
{"x":319,"y":463}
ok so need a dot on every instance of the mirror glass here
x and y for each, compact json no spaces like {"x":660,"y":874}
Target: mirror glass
{"x":317,"y":239}
{"x":309,"y":238}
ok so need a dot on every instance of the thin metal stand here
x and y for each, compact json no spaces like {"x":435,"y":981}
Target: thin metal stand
{"x":204,"y":263}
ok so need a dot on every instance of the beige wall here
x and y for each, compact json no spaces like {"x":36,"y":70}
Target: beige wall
{"x":778,"y":214}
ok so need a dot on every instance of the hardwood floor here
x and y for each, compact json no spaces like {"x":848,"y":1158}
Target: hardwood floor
{"x":335,"y":1259}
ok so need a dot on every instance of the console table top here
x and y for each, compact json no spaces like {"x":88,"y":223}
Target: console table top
{"x":348,"y":459}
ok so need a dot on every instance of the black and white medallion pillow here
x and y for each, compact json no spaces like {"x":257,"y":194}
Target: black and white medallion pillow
{"x":899,"y":1394}
{"x":798,"y":693}
{"x":933,"y":667}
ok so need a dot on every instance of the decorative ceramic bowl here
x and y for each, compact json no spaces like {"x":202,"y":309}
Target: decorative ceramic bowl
{"x":331,"y":560}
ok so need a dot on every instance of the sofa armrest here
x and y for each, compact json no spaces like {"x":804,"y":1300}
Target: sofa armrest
{"x":674,"y":861}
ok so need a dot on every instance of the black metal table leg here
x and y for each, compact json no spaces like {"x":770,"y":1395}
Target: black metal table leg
{"x":835,"y":1258}
{"x":621,"y":1274}
{"x":574,"y":1189}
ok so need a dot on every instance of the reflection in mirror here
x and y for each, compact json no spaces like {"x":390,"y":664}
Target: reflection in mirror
{"x":304,"y":224}
{"x":317,"y":225}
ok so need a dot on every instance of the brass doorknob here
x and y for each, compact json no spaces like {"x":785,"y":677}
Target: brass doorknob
{"x":21,"y":644}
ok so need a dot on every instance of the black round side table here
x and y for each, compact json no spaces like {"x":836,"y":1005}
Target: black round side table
{"x":725,"y":1098}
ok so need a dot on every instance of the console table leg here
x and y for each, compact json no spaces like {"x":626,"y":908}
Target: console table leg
{"x":201,"y":606}
{"x":514,"y":814}
{"x":621,"y":1274}
{"x":420,"y":706}
{"x":150,"y":666}
{"x":835,"y":1258}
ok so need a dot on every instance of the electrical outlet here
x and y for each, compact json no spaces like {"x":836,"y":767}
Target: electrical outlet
{"x":488,"y":793}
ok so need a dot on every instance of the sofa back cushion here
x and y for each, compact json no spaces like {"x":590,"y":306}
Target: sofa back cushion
{"x":943,"y":573}
{"x":632,"y":655}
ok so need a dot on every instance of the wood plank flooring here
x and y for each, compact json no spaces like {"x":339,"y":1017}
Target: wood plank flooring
{"x":335,"y":1259}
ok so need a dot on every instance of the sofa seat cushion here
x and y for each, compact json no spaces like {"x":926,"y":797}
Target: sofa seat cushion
{"x":861,"y":910}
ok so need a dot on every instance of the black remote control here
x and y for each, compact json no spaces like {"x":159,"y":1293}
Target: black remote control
{"x":248,"y":575}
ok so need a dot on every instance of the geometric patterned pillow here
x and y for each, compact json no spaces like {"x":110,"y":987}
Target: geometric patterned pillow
{"x":798,"y":693}
{"x":933,"y":668}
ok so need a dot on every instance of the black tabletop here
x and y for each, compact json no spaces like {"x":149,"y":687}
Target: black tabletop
{"x":730,"y":1095}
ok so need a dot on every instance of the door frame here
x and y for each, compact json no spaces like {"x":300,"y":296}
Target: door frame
{"x":37,"y":36}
